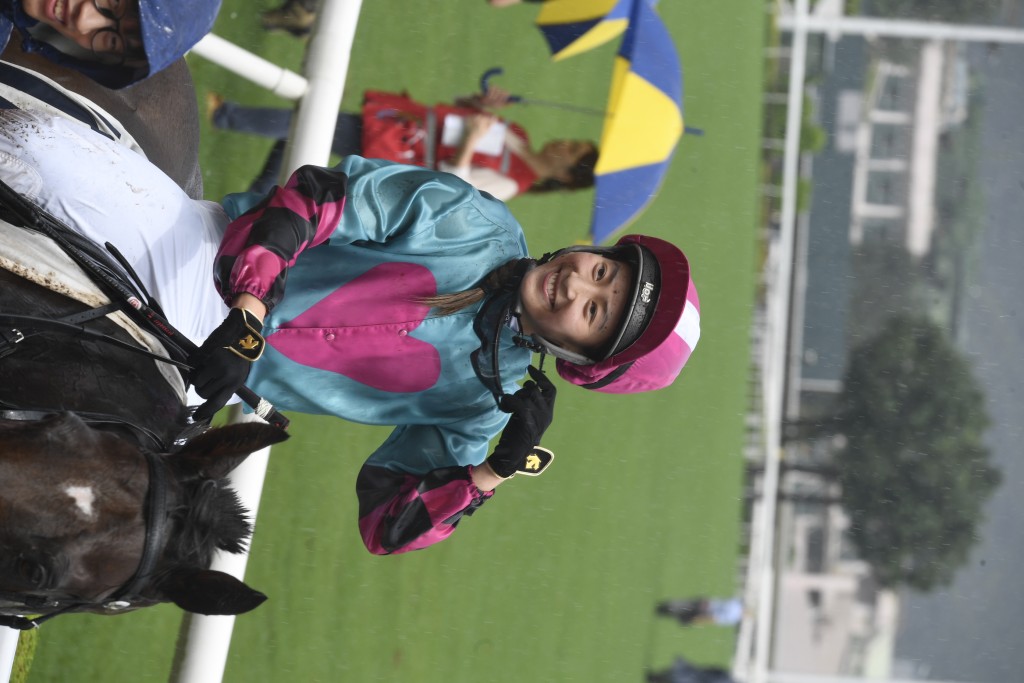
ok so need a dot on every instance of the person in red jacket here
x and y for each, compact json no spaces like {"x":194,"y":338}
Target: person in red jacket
{"x":463,"y":138}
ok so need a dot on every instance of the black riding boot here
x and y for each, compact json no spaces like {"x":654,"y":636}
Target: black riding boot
{"x":294,"y":16}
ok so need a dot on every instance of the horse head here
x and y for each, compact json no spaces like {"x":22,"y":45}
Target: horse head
{"x":92,"y":522}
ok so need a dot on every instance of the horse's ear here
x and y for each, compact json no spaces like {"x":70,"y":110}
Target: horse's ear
{"x":217,"y":451}
{"x":207,"y":591}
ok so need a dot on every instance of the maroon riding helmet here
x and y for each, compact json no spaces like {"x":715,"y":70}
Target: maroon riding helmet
{"x":659,"y":331}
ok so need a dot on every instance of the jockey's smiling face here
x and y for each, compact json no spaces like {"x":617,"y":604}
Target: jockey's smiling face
{"x":576,"y":300}
{"x":108,"y":29}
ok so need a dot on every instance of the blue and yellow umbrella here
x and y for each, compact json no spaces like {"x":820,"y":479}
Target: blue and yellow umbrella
{"x":575,"y":26}
{"x":644,"y":124}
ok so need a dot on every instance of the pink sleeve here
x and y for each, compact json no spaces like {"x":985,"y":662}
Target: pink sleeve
{"x":399,"y":512}
{"x":261,"y":244}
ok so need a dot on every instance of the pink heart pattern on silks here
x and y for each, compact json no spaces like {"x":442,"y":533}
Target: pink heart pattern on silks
{"x":361,"y":330}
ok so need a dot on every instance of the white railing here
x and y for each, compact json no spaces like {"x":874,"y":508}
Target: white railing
{"x":8,"y":646}
{"x":206,"y":640}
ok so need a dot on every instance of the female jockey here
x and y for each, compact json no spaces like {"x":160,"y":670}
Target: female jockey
{"x":410,"y":301}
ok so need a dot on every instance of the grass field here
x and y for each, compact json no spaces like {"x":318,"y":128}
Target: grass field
{"x":555,"y":579}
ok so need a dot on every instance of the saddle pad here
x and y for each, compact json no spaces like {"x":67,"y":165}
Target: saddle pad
{"x":38,"y":259}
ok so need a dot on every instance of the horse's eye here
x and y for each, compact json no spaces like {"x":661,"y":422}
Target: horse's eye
{"x":33,"y":572}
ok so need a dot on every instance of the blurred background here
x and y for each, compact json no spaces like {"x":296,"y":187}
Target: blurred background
{"x":840,"y":452}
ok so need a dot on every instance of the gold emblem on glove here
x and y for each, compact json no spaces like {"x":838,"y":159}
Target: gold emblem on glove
{"x":537,"y":460}
{"x":249,"y":347}
{"x":249,"y":343}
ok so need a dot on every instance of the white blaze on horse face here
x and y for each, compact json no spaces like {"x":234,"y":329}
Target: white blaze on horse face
{"x":83,"y":497}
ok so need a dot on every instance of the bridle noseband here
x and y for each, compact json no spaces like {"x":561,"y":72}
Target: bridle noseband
{"x":152,"y":548}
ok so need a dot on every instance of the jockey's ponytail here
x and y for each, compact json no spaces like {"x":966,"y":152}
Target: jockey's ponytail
{"x":504,"y":276}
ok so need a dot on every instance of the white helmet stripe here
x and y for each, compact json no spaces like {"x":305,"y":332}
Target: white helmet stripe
{"x":688,"y":327}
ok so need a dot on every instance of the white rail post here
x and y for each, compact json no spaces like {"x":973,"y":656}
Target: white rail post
{"x":205,"y":640}
{"x":263,"y":73}
{"x":8,"y":646}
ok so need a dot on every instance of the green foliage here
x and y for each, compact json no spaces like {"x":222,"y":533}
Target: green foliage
{"x":812,"y":138}
{"x":804,"y":188}
{"x":915,"y":469}
{"x":26,"y":652}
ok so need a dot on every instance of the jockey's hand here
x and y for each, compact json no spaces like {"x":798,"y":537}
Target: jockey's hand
{"x":221,"y":365}
{"x":532,"y":408}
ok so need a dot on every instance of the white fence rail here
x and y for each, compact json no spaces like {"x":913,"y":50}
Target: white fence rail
{"x":206,"y":640}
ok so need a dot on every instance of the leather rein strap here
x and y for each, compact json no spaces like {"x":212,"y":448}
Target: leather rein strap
{"x":23,"y":327}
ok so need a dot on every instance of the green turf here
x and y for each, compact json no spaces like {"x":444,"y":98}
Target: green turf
{"x":555,"y":579}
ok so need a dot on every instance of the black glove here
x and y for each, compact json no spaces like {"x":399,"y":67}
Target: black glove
{"x":532,"y":408}
{"x":221,"y":365}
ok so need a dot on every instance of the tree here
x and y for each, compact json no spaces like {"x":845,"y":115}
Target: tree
{"x":914,"y":469}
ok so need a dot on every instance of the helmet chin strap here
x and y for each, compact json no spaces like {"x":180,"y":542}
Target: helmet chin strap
{"x":539,"y":344}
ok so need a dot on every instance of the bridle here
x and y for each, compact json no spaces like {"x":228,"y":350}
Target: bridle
{"x":153,"y":545}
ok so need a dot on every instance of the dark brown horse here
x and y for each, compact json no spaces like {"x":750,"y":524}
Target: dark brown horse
{"x":160,"y":112}
{"x":102,"y":507}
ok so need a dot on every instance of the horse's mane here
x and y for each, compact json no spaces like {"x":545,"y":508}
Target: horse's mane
{"x":209,"y":516}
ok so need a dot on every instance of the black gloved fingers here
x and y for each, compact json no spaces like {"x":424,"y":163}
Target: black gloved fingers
{"x":205,"y":380}
{"x":522,"y":400}
{"x":513,"y":403}
{"x":212,"y":405}
{"x":543,"y":383}
{"x":222,"y":370}
{"x":546,"y":389}
{"x":221,"y":365}
{"x":240,"y":333}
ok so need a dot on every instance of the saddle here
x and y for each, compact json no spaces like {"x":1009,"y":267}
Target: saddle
{"x":39,"y":259}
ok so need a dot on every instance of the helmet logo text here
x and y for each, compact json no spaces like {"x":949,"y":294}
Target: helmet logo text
{"x":645,"y":293}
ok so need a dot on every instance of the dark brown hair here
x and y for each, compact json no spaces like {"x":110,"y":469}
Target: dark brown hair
{"x":581,"y":175}
{"x":446,"y":304}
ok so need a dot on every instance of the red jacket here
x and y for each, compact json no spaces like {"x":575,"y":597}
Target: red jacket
{"x":398,"y":128}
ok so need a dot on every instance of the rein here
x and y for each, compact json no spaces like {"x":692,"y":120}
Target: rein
{"x":156,"y":538}
{"x":137,"y":304}
{"x":24,"y":327}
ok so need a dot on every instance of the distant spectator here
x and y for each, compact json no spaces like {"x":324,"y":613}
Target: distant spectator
{"x":700,"y":611}
{"x":682,"y":671}
{"x":461,"y":138}
{"x":294,"y":16}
